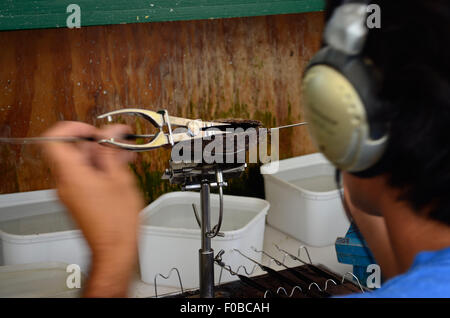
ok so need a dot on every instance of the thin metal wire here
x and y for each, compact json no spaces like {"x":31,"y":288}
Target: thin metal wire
{"x":284,"y":265}
{"x":34,"y":140}
{"x":249,"y":258}
{"x":357,"y":280}
{"x":197,"y":218}
{"x":69,"y":139}
{"x":228,"y":268}
{"x":220,"y":275}
{"x":307,"y":253}
{"x":315,"y":284}
{"x":272,"y":261}
{"x":284,"y":291}
{"x":167,"y":277}
{"x":245,"y":269}
{"x":267,"y":291}
{"x":290,"y":126}
{"x":216,"y":229}
{"x":303,"y":262}
{"x":296,"y":258}
{"x":235,"y":273}
{"x":284,"y":257}
{"x":293,"y":290}
{"x":271,"y":258}
{"x":329,"y":280}
{"x":218,"y":261}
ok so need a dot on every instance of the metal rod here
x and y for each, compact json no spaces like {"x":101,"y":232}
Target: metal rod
{"x":205,"y":206}
{"x":70,"y":139}
{"x":35,"y":140}
{"x":191,"y":187}
{"x":216,"y":230}
{"x":206,"y":254}
{"x":290,"y":126}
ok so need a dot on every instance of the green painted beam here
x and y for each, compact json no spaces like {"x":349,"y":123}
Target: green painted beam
{"x":37,"y":14}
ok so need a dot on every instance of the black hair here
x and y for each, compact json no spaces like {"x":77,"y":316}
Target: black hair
{"x":411,"y":50}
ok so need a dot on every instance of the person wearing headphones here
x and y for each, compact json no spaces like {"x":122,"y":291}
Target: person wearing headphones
{"x":378,"y":106}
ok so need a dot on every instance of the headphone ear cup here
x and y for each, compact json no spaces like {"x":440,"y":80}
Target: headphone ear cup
{"x":341,"y":107}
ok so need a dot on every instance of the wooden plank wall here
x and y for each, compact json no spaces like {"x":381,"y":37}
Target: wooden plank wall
{"x":243,"y":67}
{"x":38,"y":14}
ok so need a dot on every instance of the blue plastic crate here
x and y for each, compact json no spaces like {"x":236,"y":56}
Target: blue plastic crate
{"x":352,"y":249}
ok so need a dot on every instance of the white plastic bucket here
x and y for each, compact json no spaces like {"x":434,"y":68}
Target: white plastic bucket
{"x":35,"y":228}
{"x":37,"y":280}
{"x":170,"y":236}
{"x":304,"y":200}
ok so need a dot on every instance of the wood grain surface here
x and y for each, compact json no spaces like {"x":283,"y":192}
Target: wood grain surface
{"x":33,"y":14}
{"x":229,"y":68}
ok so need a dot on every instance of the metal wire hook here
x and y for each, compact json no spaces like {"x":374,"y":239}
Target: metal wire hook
{"x":326,"y":283}
{"x":245,"y":269}
{"x":314,"y":284}
{"x":250,"y":259}
{"x":292,"y":291}
{"x":216,"y":229}
{"x":235,"y":273}
{"x":284,"y":291}
{"x":307,"y":252}
{"x":357,"y":280}
{"x":296,"y":258}
{"x":267,"y":291}
{"x":272,"y":259}
{"x":167,"y":277}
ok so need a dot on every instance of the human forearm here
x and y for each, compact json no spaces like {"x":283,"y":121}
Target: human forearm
{"x":111,"y":272}
{"x":102,"y":196}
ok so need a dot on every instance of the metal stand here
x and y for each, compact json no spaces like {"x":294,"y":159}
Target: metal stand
{"x":203,"y":178}
{"x":206,"y":253}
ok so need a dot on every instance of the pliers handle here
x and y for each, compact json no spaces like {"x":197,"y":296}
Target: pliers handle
{"x":160,"y":120}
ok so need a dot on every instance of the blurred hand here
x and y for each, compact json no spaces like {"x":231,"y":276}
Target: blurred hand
{"x":95,"y":184}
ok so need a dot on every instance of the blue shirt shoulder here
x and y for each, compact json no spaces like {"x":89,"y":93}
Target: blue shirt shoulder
{"x":428,"y":277}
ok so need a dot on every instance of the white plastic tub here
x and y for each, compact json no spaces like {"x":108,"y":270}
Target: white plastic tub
{"x":170,"y":236}
{"x":37,"y":280}
{"x":304,"y":200}
{"x":35,"y":228}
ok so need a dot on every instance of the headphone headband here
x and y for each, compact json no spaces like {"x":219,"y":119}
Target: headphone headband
{"x":347,"y":31}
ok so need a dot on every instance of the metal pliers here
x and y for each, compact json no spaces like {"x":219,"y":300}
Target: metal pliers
{"x":161,"y":120}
